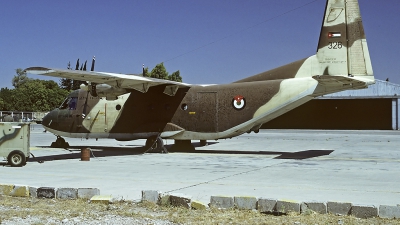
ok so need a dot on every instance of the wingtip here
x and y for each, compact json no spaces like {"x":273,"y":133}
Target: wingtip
{"x":36,"y":70}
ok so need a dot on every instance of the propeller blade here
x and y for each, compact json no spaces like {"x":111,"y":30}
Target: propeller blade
{"x":81,"y":67}
{"x":77,"y":65}
{"x":84,"y":67}
{"x":93,"y":61}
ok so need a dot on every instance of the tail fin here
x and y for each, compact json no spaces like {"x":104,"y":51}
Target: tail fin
{"x":342,"y":47}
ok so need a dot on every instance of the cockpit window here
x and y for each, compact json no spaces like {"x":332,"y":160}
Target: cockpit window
{"x":69,"y":103}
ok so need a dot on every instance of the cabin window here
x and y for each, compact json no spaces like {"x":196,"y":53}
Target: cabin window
{"x":64,"y":105}
{"x":69,"y":103}
{"x":184,"y":106}
{"x":72,"y":103}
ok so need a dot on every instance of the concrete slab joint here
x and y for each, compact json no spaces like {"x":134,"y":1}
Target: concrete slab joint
{"x":342,"y":208}
{"x":150,"y":196}
{"x":46,"y":192}
{"x":389,"y":212}
{"x":222,"y":202}
{"x":318,"y":207}
{"x":364,"y":212}
{"x":180,"y":200}
{"x":245,"y":202}
{"x":284,"y":206}
{"x":67,"y":193}
{"x":266,"y":205}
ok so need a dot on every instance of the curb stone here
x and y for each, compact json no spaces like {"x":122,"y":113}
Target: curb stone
{"x":150,"y":196}
{"x":88,"y":193}
{"x":245,"y":202}
{"x":364,"y":212}
{"x":287,"y":206}
{"x":342,"y":208}
{"x":6,"y":189}
{"x":104,"y":199}
{"x":266,"y":205}
{"x":318,"y":207}
{"x":180,"y":200}
{"x":199,"y":205}
{"x":33,"y":192}
{"x":222,"y":202}
{"x":46,"y":192}
{"x":389,"y":212}
{"x":20,"y":191}
{"x":263,"y":205}
{"x":67,"y":193}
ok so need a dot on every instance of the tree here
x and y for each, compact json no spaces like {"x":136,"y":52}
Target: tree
{"x":6,"y":96}
{"x":38,"y":95}
{"x":66,"y":83}
{"x":160,"y":72}
{"x":175,"y":76}
{"x":20,"y":78}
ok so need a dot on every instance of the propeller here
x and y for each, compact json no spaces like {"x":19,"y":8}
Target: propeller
{"x":77,"y":65}
{"x":84,"y":66}
{"x":93,"y":62}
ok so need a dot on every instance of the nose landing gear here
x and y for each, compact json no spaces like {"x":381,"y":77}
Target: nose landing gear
{"x":59,"y":143}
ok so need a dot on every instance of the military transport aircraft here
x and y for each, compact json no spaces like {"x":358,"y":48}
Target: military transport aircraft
{"x":128,"y":107}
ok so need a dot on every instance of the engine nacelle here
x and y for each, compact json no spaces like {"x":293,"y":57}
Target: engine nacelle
{"x":104,"y":90}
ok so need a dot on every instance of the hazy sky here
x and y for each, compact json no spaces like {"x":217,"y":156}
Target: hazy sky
{"x":209,"y":41}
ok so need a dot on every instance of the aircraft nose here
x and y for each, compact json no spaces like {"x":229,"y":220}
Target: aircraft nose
{"x":49,"y":118}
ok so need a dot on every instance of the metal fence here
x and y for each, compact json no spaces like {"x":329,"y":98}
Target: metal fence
{"x":18,"y":116}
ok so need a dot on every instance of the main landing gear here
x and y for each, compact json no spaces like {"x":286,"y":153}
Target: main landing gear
{"x":155,"y":144}
{"x":59,"y":143}
{"x":182,"y":146}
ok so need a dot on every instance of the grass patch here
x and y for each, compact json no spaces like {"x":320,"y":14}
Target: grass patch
{"x":13,"y":207}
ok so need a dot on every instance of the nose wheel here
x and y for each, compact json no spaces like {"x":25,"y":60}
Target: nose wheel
{"x":59,"y":143}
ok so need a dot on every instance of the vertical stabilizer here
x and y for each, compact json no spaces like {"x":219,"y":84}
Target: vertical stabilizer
{"x":342,"y":47}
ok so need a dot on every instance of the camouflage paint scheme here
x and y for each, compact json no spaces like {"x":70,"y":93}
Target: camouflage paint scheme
{"x":14,"y":136}
{"x":135,"y":107}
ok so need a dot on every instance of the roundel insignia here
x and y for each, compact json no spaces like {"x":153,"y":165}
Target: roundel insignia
{"x":238,"y":102}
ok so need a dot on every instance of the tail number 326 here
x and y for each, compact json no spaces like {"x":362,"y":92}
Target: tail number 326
{"x":335,"y":45}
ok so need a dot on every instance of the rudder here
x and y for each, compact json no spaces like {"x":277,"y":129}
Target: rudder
{"x":342,"y":47}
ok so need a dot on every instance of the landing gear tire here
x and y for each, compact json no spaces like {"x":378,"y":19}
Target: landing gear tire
{"x":59,"y":143}
{"x":16,"y":159}
{"x":155,"y":144}
{"x":151,"y":142}
{"x":203,"y":143}
{"x":182,"y":146}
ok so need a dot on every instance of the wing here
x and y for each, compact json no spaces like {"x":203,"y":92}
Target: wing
{"x":115,"y":80}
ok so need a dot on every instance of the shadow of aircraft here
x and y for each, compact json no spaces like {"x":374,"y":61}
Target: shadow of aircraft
{"x":107,"y":151}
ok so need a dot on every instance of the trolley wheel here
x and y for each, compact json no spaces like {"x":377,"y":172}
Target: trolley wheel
{"x":16,"y":159}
